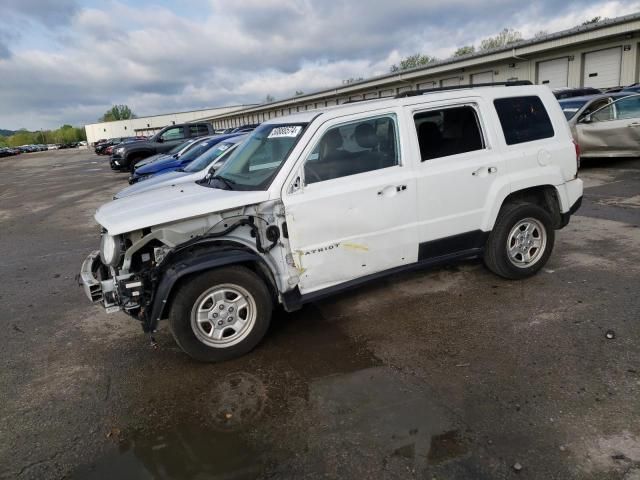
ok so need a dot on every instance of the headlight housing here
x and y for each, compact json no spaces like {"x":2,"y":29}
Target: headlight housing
{"x":119,"y":150}
{"x":110,"y":249}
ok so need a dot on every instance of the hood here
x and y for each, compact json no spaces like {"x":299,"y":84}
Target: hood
{"x":165,"y":179}
{"x":164,"y":163}
{"x":171,"y":203}
{"x":153,"y":158}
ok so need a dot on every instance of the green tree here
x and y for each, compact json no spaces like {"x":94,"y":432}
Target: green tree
{"x":502,"y":39}
{"x":117,"y":112}
{"x":413,"y":61}
{"x":466,"y":50}
{"x":597,"y":19}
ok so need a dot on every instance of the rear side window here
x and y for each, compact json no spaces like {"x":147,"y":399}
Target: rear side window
{"x":446,"y":132}
{"x":198,"y":130}
{"x":523,"y":119}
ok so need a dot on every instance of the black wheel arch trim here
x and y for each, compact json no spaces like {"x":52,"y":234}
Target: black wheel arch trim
{"x":188,"y":263}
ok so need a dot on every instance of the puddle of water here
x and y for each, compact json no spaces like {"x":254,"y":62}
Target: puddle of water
{"x":187,"y":452}
{"x":316,"y":402}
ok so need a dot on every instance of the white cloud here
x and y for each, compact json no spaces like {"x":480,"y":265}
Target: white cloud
{"x":157,"y":60}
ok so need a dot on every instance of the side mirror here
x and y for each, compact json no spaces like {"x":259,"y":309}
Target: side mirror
{"x":586,"y":119}
{"x":160,"y":140}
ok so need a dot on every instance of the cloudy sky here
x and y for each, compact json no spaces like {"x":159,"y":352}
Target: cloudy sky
{"x":67,"y":61}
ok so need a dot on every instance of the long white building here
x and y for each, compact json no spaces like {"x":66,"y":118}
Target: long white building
{"x":150,"y":125}
{"x":601,"y":55}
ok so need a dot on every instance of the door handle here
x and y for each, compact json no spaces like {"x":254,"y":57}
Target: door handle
{"x":482,"y":171}
{"x":391,"y":190}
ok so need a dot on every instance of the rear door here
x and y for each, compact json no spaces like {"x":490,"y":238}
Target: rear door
{"x":614,"y":130}
{"x":351,"y":208}
{"x":458,"y":166}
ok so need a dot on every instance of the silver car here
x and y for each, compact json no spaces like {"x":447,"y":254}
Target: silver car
{"x":605,"y":125}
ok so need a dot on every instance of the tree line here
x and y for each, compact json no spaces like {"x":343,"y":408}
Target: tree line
{"x":506,"y":37}
{"x":64,"y":134}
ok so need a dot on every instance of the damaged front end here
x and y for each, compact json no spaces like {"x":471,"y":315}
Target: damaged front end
{"x":116,"y":289}
{"x":136,"y":272}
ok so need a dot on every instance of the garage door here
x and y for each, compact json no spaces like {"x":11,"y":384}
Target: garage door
{"x":425,"y":85}
{"x":554,"y":73}
{"x":484,"y":77}
{"x":602,"y":68}
{"x":451,"y":82}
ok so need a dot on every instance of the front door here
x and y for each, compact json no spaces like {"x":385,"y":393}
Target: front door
{"x":170,"y":138}
{"x":353,"y":209}
{"x":613,"y":130}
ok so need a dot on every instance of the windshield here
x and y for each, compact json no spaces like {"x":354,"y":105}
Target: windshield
{"x":196,"y":150}
{"x":177,"y":148}
{"x":209,"y":156}
{"x":256,"y":161}
{"x":571,"y":107}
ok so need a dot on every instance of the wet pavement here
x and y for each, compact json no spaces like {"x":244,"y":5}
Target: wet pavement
{"x":448,"y":374}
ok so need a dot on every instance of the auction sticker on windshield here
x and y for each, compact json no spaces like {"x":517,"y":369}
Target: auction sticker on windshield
{"x":290,"y":131}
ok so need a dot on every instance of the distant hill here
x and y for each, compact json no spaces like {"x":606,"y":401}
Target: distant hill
{"x":6,"y":133}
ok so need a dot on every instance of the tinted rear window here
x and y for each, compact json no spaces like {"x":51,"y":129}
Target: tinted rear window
{"x":523,"y":119}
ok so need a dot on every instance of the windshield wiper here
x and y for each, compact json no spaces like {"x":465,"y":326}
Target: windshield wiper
{"x":225,"y":181}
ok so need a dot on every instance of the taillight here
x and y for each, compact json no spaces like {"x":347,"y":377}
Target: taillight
{"x":577,"y":157}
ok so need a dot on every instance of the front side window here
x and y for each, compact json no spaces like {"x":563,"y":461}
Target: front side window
{"x":523,"y":119}
{"x":176,"y":133}
{"x":254,"y":164}
{"x":352,"y":148}
{"x":448,"y":131}
{"x":626,"y":108}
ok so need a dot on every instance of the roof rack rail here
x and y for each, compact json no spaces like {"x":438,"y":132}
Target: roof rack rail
{"x":415,"y":93}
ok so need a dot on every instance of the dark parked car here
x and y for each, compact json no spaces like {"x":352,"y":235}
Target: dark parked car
{"x":101,"y":148}
{"x":561,"y":93}
{"x":126,"y":156}
{"x":6,"y":152}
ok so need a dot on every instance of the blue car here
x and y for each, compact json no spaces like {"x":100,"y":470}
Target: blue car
{"x":173,"y":163}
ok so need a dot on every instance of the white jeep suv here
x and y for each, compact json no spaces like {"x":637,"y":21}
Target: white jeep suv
{"x":314,"y":203}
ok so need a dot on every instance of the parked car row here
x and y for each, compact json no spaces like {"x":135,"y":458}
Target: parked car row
{"x":8,"y":151}
{"x":104,"y":146}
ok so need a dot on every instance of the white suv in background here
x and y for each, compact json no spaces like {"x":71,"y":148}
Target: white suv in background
{"x":318,"y":202}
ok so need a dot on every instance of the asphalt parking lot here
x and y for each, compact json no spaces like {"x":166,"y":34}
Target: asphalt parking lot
{"x":452,"y":373}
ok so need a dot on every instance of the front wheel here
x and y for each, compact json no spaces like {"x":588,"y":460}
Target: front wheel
{"x":521,"y":241}
{"x":221,"y":314}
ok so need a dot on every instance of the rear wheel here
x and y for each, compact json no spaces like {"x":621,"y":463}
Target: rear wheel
{"x":521,"y":241}
{"x":221,"y":314}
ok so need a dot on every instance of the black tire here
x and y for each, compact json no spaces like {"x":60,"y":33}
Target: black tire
{"x":184,"y":303}
{"x":133,"y":161}
{"x":496,"y":257}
